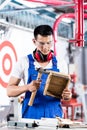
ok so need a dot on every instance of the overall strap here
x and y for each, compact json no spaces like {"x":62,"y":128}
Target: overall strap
{"x":31,"y":61}
{"x":31,"y":67}
{"x":55,"y":63}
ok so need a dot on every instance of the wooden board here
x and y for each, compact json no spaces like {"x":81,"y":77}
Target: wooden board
{"x":56,"y":83}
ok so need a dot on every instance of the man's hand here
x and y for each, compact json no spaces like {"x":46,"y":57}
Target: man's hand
{"x":34,"y":85}
{"x":66,"y":95}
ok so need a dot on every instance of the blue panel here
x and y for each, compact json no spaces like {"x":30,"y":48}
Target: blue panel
{"x":48,"y":13}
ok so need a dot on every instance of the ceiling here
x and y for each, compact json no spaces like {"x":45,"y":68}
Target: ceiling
{"x":48,"y":7}
{"x":64,"y":6}
{"x":45,"y":7}
{"x":19,"y":11}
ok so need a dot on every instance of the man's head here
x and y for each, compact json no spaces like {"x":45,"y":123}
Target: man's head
{"x":43,"y":30}
{"x":43,"y":38}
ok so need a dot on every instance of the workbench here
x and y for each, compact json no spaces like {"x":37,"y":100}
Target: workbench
{"x":44,"y":124}
{"x":41,"y":128}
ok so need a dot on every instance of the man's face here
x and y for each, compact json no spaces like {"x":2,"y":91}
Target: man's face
{"x":44,"y":43}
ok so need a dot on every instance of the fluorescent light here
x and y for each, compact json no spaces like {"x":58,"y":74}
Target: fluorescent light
{"x":4,"y":4}
{"x":30,"y":4}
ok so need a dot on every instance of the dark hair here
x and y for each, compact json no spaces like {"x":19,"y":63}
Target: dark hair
{"x":43,"y":30}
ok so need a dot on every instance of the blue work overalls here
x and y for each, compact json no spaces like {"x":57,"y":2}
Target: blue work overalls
{"x":43,"y":106}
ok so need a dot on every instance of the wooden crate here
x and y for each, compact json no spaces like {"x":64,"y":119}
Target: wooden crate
{"x":56,"y":83}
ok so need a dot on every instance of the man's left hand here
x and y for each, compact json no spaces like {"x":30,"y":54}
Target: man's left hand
{"x":66,"y":95}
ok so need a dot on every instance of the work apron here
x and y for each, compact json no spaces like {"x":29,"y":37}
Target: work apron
{"x":43,"y":106}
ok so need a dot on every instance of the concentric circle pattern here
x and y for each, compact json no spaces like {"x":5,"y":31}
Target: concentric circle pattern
{"x":8,"y":57}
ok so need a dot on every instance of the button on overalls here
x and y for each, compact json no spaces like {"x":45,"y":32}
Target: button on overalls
{"x":43,"y":106}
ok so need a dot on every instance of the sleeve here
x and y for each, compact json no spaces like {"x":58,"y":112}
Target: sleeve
{"x":19,"y":68}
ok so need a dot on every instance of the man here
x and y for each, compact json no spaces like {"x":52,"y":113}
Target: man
{"x":42,"y":56}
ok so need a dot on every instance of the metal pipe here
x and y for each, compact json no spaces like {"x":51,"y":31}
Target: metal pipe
{"x":79,"y":22}
{"x":51,"y":2}
{"x":56,"y":23}
{"x":55,"y":26}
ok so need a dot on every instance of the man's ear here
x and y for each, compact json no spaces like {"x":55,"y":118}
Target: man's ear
{"x":34,"y":41}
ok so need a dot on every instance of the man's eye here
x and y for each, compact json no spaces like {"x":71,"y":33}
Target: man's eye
{"x":42,"y":43}
{"x":48,"y":43}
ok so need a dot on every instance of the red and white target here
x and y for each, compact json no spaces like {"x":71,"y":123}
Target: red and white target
{"x":8,"y":57}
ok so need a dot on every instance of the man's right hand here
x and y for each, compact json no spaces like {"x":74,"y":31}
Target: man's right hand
{"x":34,"y":85}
